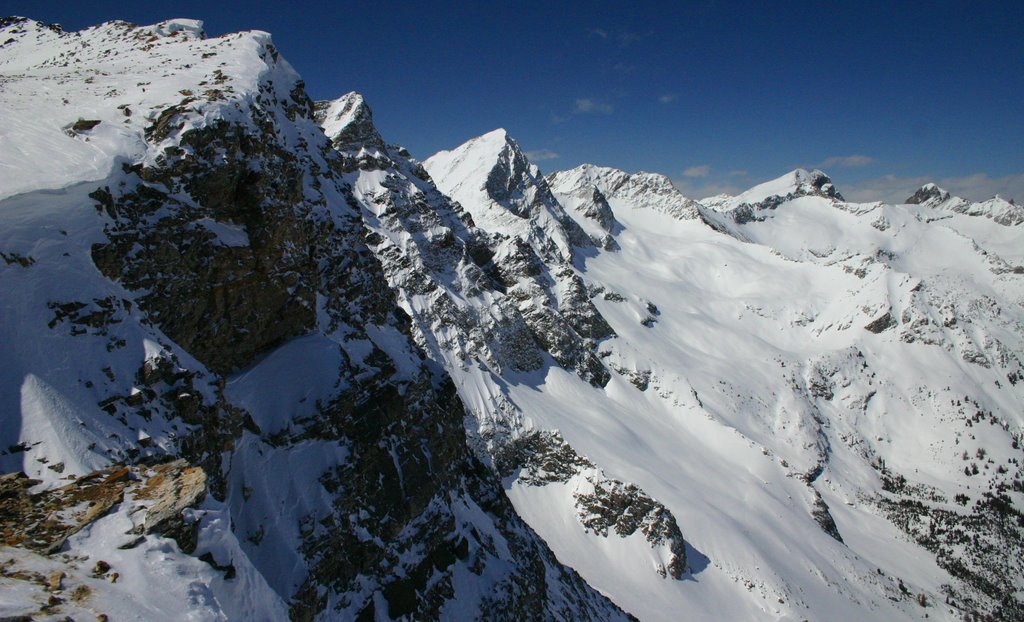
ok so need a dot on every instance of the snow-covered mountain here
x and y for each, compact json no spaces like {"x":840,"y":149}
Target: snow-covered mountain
{"x":345,"y":384}
{"x":186,"y":274}
{"x":791,"y":352}
{"x":997,"y":208}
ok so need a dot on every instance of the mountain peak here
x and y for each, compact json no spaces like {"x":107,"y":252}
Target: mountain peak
{"x":492,"y":145}
{"x":812,"y":183}
{"x":348,"y":121}
{"x":997,"y":208}
{"x":493,"y":179}
{"x":495,"y":154}
{"x":495,"y":136}
{"x":928,"y":193}
{"x":796,"y":183}
{"x":1002,"y":211}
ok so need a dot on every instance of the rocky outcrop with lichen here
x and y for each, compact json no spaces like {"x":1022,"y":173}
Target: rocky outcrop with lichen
{"x":43,"y":521}
{"x":50,"y":565}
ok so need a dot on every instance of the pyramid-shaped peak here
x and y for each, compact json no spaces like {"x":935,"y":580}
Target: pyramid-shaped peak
{"x":492,"y":143}
{"x":348,"y":121}
{"x":494,"y":157}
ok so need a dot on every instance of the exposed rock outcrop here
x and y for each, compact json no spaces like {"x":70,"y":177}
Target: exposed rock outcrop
{"x":610,"y":508}
{"x":43,"y":521}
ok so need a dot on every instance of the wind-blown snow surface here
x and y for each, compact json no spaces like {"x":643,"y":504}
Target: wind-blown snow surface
{"x":106,"y":73}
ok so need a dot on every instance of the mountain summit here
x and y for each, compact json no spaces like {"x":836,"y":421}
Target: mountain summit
{"x":347,"y":121}
{"x":493,"y":179}
{"x":928,"y":193}
{"x":510,"y":180}
{"x":770,"y":194}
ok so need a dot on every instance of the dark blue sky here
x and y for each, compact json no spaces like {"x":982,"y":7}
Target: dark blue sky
{"x":883,"y":96}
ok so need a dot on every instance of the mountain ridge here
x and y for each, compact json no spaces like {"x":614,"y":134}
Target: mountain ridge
{"x":335,"y":456}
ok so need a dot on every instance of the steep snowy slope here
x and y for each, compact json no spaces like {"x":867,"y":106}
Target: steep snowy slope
{"x":184,"y":275}
{"x":513,"y":200}
{"x":758,"y":395}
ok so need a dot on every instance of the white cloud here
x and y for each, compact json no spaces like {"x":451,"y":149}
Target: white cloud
{"x":587,"y":105}
{"x":896,"y":189}
{"x":629,"y":38}
{"x":850,"y":161}
{"x":697,"y":188}
{"x":697,"y":182}
{"x":540,"y":155}
{"x":625,"y":38}
{"x":667,"y":98}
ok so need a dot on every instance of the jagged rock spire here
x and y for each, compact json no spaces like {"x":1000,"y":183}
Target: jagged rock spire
{"x":348,"y":121}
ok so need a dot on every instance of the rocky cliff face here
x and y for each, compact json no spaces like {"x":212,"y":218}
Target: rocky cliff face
{"x":229,"y":310}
